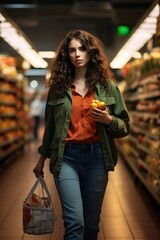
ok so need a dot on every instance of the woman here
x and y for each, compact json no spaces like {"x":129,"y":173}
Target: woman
{"x":78,"y":139}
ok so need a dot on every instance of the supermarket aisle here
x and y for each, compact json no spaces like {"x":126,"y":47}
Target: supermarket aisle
{"x":129,"y":212}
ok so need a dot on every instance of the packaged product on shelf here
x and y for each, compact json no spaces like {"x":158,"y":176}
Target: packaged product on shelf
{"x":12,"y":121}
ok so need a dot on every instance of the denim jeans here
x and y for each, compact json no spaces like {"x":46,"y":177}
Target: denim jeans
{"x":81,"y":185}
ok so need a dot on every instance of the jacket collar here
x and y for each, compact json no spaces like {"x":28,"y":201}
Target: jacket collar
{"x":69,"y":92}
{"x":98,"y":88}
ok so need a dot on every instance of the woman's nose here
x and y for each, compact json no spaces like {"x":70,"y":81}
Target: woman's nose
{"x":77,"y":52}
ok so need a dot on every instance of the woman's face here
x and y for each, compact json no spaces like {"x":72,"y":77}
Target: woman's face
{"x":78,"y":54}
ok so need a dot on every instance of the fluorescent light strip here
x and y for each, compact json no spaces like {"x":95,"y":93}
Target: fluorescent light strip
{"x":17,"y":41}
{"x":137,"y":40}
{"x":47,"y":54}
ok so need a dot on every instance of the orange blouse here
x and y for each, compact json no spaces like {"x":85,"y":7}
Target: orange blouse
{"x":82,"y":128}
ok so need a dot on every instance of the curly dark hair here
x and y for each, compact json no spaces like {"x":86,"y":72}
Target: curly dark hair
{"x":62,"y":70}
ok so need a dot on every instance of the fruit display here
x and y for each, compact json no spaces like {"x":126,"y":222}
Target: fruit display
{"x":7,"y":111}
{"x":7,"y":98}
{"x":6,"y":124}
{"x":8,"y":67}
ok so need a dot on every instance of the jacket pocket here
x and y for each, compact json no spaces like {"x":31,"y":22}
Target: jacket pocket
{"x":110,"y":102}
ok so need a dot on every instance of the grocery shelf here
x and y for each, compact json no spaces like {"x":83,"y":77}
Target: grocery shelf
{"x":141,"y":96}
{"x":141,"y":149}
{"x":131,"y":161}
{"x":12,"y":134}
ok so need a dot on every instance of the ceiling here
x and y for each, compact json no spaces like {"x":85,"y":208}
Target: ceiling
{"x":46,"y":24}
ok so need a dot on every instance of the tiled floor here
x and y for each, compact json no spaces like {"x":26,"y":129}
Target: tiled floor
{"x":129,"y":212}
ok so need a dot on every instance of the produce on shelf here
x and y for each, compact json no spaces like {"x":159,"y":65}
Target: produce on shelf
{"x":141,"y":149}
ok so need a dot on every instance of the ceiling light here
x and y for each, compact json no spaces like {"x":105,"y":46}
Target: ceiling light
{"x":137,"y":39}
{"x":34,"y":84}
{"x":16,"y":39}
{"x":137,"y":55}
{"x":47,"y":54}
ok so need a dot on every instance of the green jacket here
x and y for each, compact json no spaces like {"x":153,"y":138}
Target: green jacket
{"x":58,"y":111}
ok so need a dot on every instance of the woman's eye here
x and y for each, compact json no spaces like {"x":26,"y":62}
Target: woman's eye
{"x":82,"y":49}
{"x":71,"y":50}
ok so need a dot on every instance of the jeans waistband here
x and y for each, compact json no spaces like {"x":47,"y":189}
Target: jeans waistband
{"x":83,"y":146}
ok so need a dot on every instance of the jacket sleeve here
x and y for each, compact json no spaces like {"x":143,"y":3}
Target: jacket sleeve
{"x":45,"y":148}
{"x":120,"y":125}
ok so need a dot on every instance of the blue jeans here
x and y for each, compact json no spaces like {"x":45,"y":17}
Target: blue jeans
{"x":81,"y":185}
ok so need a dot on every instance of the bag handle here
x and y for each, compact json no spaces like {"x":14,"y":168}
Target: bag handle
{"x":44,"y":185}
{"x":32,"y":190}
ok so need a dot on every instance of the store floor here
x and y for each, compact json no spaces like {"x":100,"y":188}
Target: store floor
{"x":129,"y":212}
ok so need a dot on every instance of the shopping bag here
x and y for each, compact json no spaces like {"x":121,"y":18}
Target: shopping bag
{"x":38,"y":211}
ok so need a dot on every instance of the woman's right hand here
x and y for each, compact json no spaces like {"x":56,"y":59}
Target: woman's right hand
{"x":38,"y":169}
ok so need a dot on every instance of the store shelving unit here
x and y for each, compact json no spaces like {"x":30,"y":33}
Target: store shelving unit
{"x":141,"y":149}
{"x":12,"y":135}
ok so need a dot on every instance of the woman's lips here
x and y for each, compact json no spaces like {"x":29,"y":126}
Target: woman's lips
{"x":78,"y":61}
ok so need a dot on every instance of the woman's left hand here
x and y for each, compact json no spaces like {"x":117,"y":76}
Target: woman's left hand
{"x":102,"y":116}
